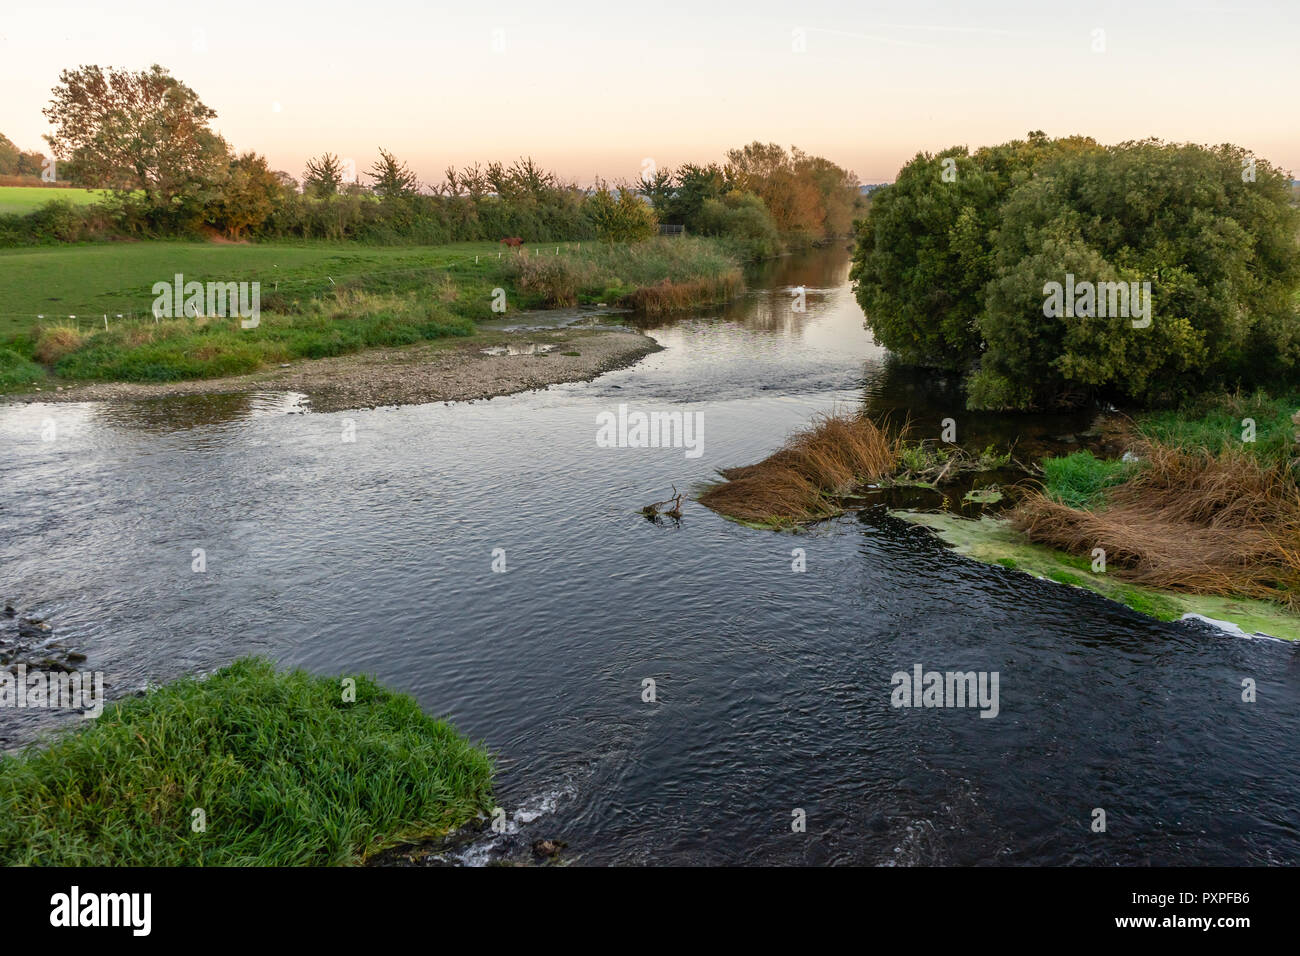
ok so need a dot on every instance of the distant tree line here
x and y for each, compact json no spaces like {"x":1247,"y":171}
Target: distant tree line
{"x":956,"y":260}
{"x":147,"y":137}
{"x":17,"y":162}
{"x":762,"y":194}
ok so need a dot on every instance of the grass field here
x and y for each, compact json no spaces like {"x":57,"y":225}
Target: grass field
{"x":317,"y":299}
{"x":112,"y":278}
{"x":20,"y":200}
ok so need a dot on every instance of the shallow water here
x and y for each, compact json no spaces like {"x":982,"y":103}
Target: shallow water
{"x":773,"y":687}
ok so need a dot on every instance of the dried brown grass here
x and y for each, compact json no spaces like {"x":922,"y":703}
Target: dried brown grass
{"x":801,"y":481}
{"x":674,"y":296}
{"x":55,"y":341}
{"x":1190,"y":521}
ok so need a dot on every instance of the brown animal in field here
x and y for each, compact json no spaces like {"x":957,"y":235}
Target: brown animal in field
{"x":514,"y":242}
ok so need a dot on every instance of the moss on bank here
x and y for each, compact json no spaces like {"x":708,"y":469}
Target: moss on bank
{"x":285,"y":770}
{"x":994,"y":541}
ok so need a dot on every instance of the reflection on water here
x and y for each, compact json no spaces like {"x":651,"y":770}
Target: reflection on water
{"x":161,"y":415}
{"x":773,"y":685}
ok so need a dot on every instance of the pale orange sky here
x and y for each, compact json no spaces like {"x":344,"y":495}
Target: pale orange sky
{"x":587,"y":89}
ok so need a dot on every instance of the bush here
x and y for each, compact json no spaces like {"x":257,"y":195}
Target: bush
{"x":951,"y":270}
{"x":1219,"y":255}
{"x":555,"y":281}
{"x":924,"y":251}
{"x":625,"y":218}
{"x":744,"y":218}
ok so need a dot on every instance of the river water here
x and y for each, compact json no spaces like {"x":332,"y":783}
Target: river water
{"x":772,"y":687}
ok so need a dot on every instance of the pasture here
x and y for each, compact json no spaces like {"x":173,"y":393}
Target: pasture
{"x":21,"y":200}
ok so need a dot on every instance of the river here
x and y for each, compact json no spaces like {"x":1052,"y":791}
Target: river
{"x":772,"y":686}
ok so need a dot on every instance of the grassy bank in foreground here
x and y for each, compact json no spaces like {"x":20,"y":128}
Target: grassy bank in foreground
{"x":317,"y":300}
{"x":285,"y":771}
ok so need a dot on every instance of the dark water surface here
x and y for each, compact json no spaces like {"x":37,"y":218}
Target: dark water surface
{"x":773,"y":686}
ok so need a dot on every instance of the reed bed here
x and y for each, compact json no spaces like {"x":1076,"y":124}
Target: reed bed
{"x":675,"y":296}
{"x":1188,"y":520}
{"x":804,"y":479}
{"x":656,"y":276}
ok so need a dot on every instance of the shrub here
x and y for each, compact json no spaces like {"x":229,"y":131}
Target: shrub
{"x":743,"y":217}
{"x":1219,"y":254}
{"x":924,"y":251}
{"x":625,"y":218}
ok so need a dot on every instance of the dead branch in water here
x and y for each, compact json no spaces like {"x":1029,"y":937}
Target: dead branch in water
{"x":652,"y":510}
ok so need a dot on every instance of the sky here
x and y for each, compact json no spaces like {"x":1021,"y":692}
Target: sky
{"x":606,"y":89}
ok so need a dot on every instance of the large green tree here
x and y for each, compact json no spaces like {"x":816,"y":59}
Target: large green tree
{"x":1211,"y":233}
{"x":145,"y":131}
{"x":924,"y":252}
{"x":954,"y":262}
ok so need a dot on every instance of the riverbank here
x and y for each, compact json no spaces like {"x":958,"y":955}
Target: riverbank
{"x":995,"y":541}
{"x":315,"y":301}
{"x":488,"y":365}
{"x":248,"y":766}
{"x":1198,"y":516}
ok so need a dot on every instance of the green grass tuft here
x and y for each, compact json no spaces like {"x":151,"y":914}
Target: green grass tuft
{"x":286,"y":772}
{"x":1080,"y":480}
{"x":1217,"y":422}
{"x":16,"y":369}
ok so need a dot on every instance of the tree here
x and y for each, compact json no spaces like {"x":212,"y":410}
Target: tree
{"x":766,"y":170}
{"x":810,"y":197}
{"x":247,"y":196}
{"x":471,"y":181}
{"x":839,"y":197}
{"x":924,"y":252}
{"x":127,"y":131}
{"x":622,"y":218}
{"x":958,"y":260}
{"x":393,"y":180}
{"x":695,"y":186}
{"x":1214,"y":252}
{"x":742,"y":216}
{"x":323,"y":176}
{"x":659,"y":189}
{"x":17,"y":162}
